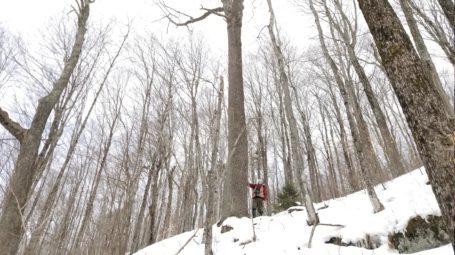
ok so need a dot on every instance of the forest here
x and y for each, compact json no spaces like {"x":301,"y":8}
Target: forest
{"x":113,"y":138}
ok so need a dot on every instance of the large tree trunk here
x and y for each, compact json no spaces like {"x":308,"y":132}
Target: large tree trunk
{"x":235,"y":201}
{"x":295,"y":139}
{"x":11,"y":228}
{"x":422,"y":104}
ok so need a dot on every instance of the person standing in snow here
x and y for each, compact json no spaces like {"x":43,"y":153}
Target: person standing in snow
{"x":259,"y":196}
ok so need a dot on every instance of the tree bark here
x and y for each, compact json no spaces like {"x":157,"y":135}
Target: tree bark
{"x":235,"y":201}
{"x":422,"y":104}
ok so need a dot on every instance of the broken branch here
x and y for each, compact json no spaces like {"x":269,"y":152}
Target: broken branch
{"x":13,"y":127}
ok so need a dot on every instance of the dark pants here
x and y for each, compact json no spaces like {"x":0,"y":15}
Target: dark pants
{"x":258,"y":206}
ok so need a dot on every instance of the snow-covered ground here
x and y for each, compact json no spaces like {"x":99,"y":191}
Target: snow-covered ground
{"x":288,"y":233}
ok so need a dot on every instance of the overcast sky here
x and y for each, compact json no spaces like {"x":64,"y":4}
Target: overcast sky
{"x":30,"y":18}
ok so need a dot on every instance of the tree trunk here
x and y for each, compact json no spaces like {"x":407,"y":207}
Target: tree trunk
{"x":167,"y":217}
{"x":11,"y":227}
{"x":212,"y":187}
{"x":328,"y":150}
{"x":344,"y":143}
{"x":235,"y":201}
{"x":311,"y":153}
{"x":140,"y":217}
{"x":285,"y":151}
{"x":422,"y":104}
{"x":295,"y":139}
{"x":154,"y":201}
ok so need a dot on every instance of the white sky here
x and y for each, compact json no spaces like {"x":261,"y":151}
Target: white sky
{"x":29,"y":18}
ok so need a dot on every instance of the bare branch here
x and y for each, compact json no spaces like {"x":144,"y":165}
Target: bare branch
{"x":216,"y":11}
{"x":13,"y":127}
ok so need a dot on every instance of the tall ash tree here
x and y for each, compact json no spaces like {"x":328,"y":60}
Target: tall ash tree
{"x":234,"y":201}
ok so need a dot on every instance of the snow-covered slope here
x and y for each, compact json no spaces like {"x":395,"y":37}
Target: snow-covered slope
{"x":287,"y":233}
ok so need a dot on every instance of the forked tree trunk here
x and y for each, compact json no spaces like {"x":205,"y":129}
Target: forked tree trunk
{"x":422,"y":105}
{"x":17,"y":194}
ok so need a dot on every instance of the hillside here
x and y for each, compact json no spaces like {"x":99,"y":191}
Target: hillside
{"x":404,"y":198}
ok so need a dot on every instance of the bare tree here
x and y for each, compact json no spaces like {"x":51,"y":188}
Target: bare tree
{"x":11,"y":221}
{"x":235,"y":201}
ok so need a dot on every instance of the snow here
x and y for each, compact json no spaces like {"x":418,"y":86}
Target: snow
{"x":288,"y":233}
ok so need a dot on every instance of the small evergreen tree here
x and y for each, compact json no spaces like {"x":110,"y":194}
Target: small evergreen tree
{"x":287,"y":197}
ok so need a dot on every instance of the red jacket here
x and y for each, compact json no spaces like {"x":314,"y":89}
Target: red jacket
{"x":262,"y":188}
